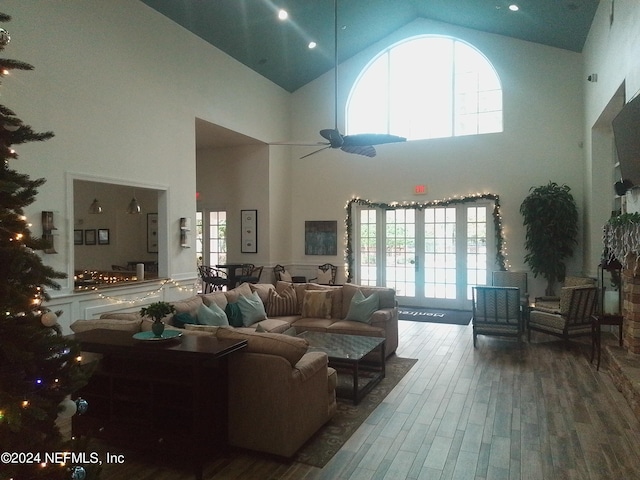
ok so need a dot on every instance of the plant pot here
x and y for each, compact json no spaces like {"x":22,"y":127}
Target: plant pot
{"x":157,"y":328}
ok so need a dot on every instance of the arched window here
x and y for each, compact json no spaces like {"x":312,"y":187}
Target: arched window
{"x":426,"y":87}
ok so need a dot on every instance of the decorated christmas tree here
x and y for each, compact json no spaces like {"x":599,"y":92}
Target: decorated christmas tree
{"x":39,"y":368}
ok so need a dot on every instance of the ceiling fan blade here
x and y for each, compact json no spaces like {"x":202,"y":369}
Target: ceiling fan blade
{"x":315,"y":151}
{"x":364,"y":139}
{"x":299,"y":144}
{"x":366,"y":150}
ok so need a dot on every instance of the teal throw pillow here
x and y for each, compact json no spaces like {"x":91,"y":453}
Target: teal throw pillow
{"x":234,"y":315}
{"x":252,"y":309}
{"x":181,"y":319}
{"x":212,"y":315}
{"x":361,"y":308}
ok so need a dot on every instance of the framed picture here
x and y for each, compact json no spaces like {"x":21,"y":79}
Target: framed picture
{"x":321,"y":237}
{"x":90,"y":237}
{"x":152,"y":232}
{"x":77,"y":237}
{"x":103,"y":236}
{"x":249,"y":235}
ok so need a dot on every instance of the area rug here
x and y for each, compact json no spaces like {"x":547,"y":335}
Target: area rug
{"x":455,"y":317}
{"x":327,"y":441}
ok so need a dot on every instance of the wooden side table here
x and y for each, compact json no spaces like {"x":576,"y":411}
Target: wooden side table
{"x":596,"y":341}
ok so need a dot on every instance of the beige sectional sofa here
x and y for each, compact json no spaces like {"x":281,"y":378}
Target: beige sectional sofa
{"x":279,"y":393}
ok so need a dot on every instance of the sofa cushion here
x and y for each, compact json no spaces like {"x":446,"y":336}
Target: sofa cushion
{"x":183,"y":318}
{"x":361,"y":308}
{"x":126,"y":325}
{"x":291,"y":331}
{"x":218,"y":298}
{"x":289,"y":348}
{"x":284,"y":303}
{"x":211,"y":329}
{"x":317,"y":304}
{"x":189,"y":305}
{"x":235,"y":293}
{"x":299,"y":288}
{"x":122,"y":315}
{"x":252,"y":309}
{"x":262,"y":289}
{"x":337,"y":298}
{"x":273,"y":325}
{"x":349,"y":327}
{"x":213,"y":315}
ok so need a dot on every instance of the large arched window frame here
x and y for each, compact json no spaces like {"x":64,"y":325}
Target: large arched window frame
{"x":426,"y":87}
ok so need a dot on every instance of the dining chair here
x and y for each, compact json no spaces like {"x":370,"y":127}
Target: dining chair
{"x":212,"y":278}
{"x":326,"y":274}
{"x":249,"y":274}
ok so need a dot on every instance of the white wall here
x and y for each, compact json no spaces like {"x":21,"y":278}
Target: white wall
{"x":542,"y":142}
{"x":121,"y":86}
{"x":611,"y":51}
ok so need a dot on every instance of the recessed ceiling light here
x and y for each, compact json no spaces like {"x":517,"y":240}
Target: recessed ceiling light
{"x":283,"y":14}
{"x":513,"y":7}
{"x":313,"y":44}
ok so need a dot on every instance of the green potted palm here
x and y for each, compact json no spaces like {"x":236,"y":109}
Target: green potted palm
{"x":551,"y":220}
{"x":157,"y":311}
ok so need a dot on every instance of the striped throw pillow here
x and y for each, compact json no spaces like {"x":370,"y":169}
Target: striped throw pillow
{"x":283,"y":303}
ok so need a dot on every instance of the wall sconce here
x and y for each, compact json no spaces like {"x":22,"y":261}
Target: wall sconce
{"x":134,"y":206}
{"x":95,"y":207}
{"x":47,"y":231}
{"x":185,"y":228}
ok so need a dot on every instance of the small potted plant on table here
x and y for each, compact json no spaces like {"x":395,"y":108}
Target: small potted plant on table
{"x":157,"y":311}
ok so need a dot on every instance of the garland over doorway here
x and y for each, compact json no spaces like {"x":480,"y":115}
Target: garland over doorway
{"x":501,"y":257}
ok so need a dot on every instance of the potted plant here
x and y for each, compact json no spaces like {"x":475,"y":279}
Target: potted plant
{"x":551,"y":218}
{"x":157,"y":311}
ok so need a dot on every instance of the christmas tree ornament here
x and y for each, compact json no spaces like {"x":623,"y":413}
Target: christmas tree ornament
{"x":78,"y":473}
{"x":82,"y":405}
{"x":5,"y":38}
{"x":68,"y":408}
{"x":49,"y":319}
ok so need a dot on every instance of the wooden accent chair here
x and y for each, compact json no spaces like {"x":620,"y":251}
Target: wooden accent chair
{"x":212,"y":278}
{"x":250,"y":273}
{"x":326,"y":274}
{"x":573,"y":318}
{"x":496,"y":311}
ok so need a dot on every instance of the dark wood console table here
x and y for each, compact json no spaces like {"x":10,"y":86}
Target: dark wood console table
{"x":166,"y":396}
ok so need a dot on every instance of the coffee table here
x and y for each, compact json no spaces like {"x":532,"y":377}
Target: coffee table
{"x":348,"y":352}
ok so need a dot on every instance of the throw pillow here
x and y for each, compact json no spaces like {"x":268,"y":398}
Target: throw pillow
{"x":260,"y":329}
{"x":362,"y":308}
{"x":212,"y":315}
{"x":317,"y":304}
{"x":284,"y":303}
{"x":252,"y":309}
{"x":234,"y":315}
{"x":182,"y":318}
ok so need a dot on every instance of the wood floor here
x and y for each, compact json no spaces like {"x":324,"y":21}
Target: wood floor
{"x":501,"y":411}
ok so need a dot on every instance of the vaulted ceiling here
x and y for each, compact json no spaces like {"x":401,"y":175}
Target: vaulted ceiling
{"x":250,"y":31}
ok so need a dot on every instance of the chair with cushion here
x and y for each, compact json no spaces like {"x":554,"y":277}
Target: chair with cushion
{"x":552,"y":303}
{"x":212,"y":279}
{"x":496,"y":311}
{"x":281,"y":274}
{"x":250,"y":273}
{"x":326,"y":274}
{"x":573,"y":318}
{"x":513,"y":279}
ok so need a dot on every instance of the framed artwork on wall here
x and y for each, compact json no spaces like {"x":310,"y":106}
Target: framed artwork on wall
{"x":152,"y":232}
{"x":103,"y":236}
{"x":249,"y":234}
{"x":77,"y":237}
{"x":90,"y":237}
{"x":321,"y":237}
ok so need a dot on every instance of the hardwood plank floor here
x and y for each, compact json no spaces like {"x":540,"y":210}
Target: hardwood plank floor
{"x":502,"y":411}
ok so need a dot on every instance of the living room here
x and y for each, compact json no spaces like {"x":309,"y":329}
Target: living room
{"x":103,"y":104}
{"x":132,"y":96}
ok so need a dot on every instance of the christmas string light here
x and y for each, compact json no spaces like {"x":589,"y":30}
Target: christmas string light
{"x":501,"y":255}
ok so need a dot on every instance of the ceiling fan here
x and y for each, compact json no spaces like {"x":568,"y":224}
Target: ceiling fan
{"x":360,"y":144}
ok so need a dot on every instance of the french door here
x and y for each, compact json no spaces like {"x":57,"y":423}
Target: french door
{"x":431,"y":256}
